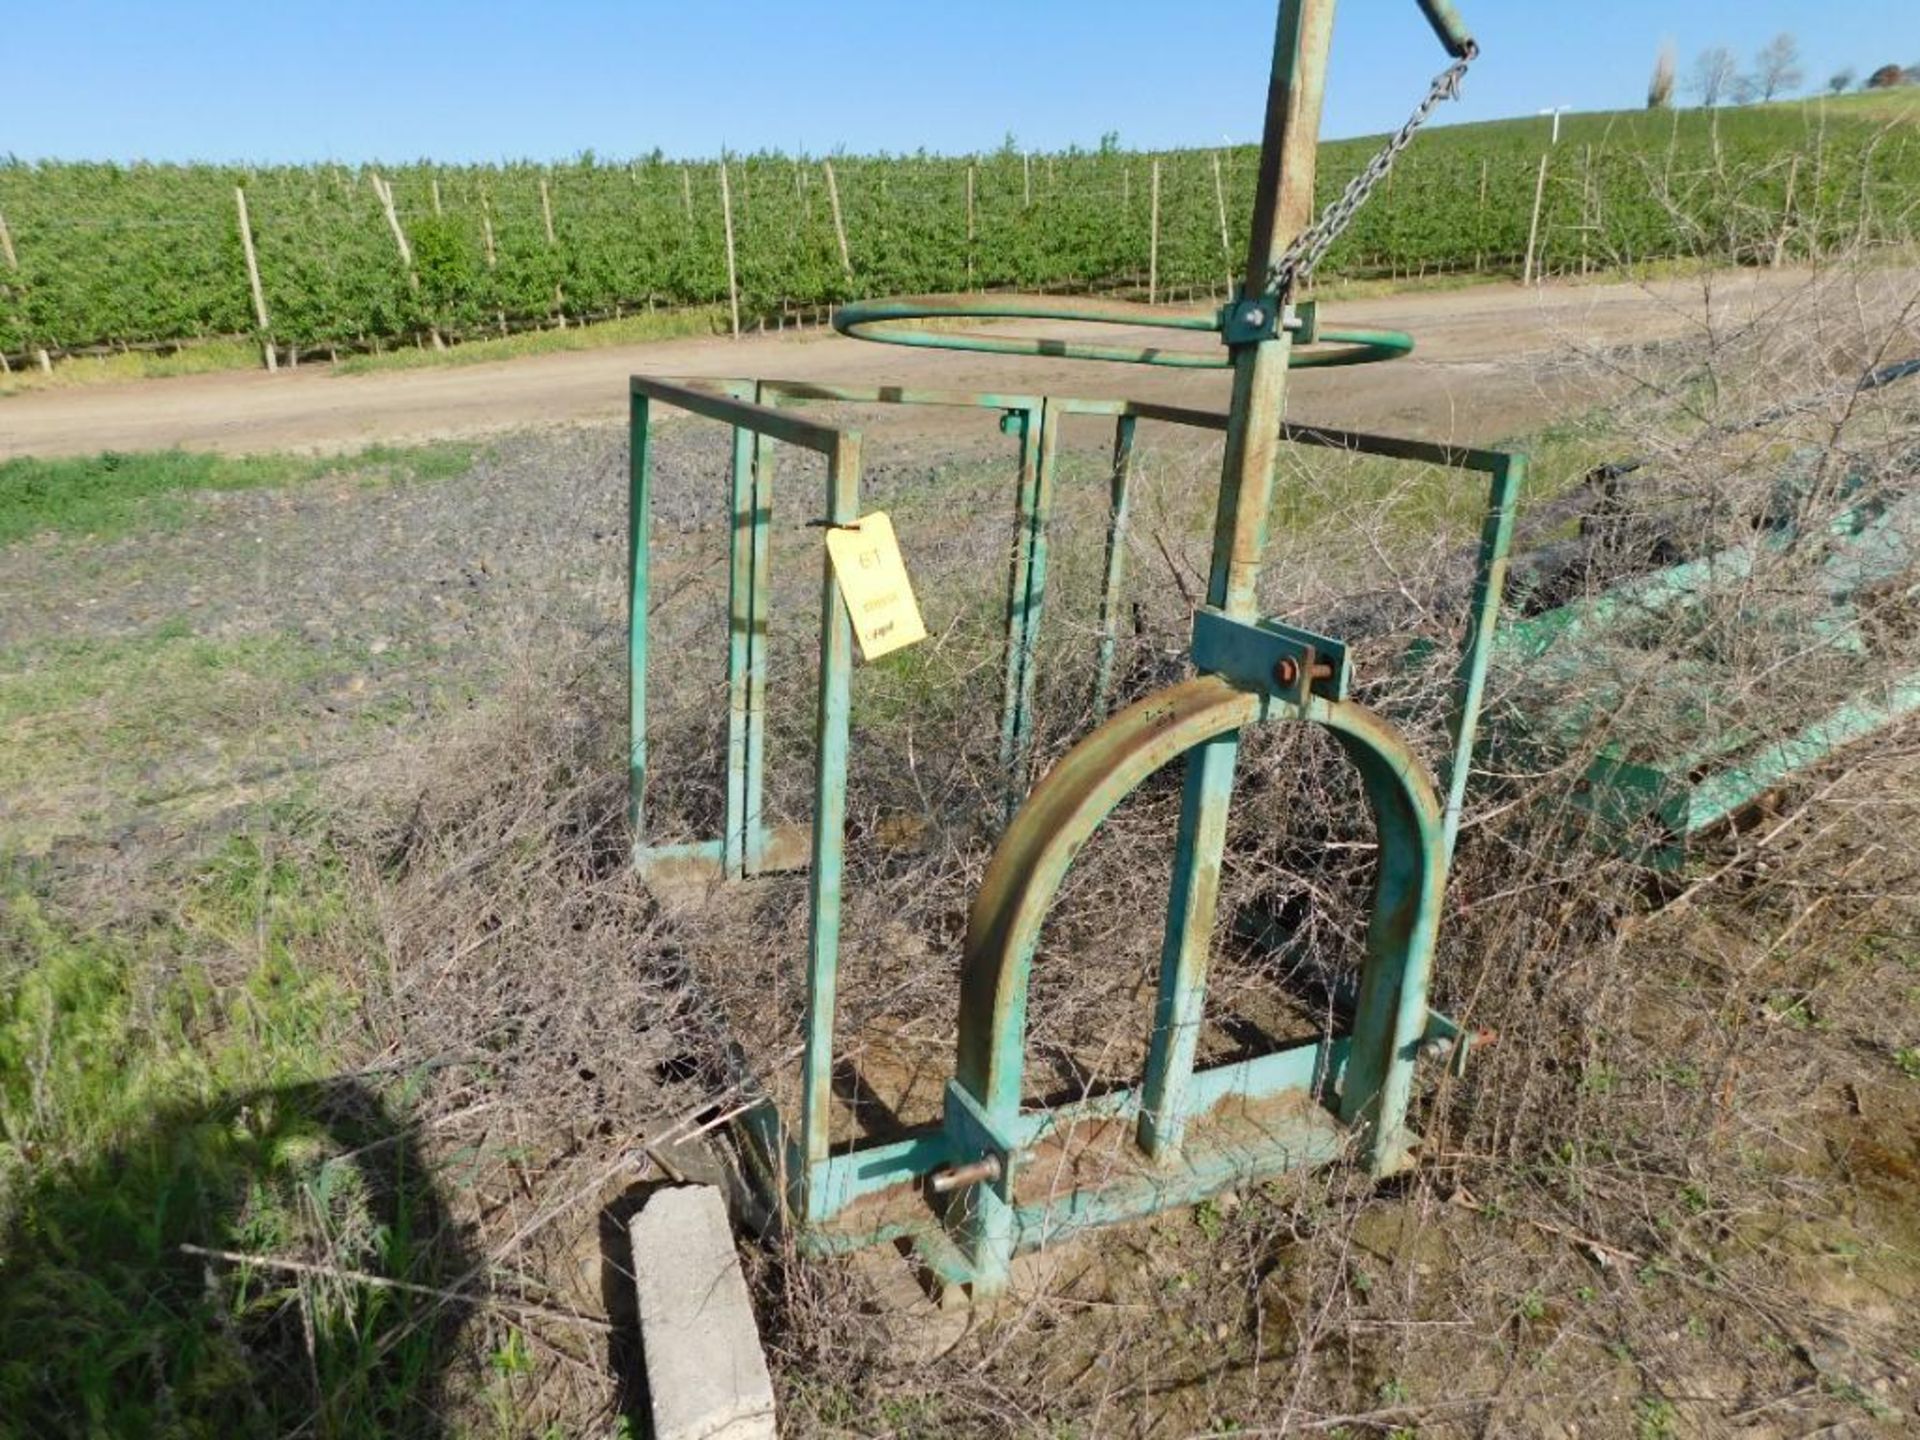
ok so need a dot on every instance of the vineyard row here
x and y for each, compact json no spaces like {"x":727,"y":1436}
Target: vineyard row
{"x":102,"y":255}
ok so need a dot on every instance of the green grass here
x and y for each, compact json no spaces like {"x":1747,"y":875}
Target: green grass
{"x":202,"y":357}
{"x":1880,"y":106}
{"x":631,"y":330}
{"x":176,"y":1084}
{"x":194,"y":357}
{"x":95,"y":731}
{"x":111,"y":493}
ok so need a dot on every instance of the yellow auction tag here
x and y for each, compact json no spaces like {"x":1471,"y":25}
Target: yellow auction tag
{"x":873,"y":577}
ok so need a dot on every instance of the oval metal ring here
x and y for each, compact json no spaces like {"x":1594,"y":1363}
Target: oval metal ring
{"x":892,"y":322}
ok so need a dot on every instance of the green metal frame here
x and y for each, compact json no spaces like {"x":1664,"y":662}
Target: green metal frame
{"x":1648,"y":808}
{"x":854,"y":1195}
{"x":992,"y":1178}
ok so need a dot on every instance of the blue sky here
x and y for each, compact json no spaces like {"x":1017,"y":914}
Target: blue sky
{"x":403,"y":79}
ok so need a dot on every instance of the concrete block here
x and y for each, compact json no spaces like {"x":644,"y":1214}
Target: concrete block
{"x":706,"y":1376}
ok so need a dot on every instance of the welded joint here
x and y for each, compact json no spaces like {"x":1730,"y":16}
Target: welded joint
{"x":985,"y":1154}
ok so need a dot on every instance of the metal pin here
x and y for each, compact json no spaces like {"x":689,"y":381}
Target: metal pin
{"x":958,"y":1177}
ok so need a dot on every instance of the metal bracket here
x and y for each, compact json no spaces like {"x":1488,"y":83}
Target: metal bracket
{"x":1249,"y":322}
{"x":1013,"y":422}
{"x":983,"y":1153}
{"x":1271,"y":657}
{"x":1446,"y":1039}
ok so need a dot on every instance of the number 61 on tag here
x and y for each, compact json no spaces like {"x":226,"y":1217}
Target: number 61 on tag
{"x":873,"y":579}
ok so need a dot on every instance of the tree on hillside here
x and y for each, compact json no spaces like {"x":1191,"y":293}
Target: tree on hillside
{"x":1660,"y":86}
{"x":1841,"y":80}
{"x":1885,"y":78}
{"x":1776,"y":69}
{"x":1714,"y":72}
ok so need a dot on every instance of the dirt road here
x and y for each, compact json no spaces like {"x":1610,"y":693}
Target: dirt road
{"x":1489,"y":362}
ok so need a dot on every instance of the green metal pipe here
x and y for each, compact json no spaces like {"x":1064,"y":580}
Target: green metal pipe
{"x":744,"y":525}
{"x":759,"y":632}
{"x":1448,"y":25}
{"x":1489,"y":584}
{"x":831,"y":727}
{"x":1026,"y":590}
{"x":1119,"y":515}
{"x":890,"y":322}
{"x":639,"y":525}
{"x":1722,"y":795}
{"x":780,"y":424}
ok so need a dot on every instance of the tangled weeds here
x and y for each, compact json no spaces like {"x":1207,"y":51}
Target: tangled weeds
{"x":1669,"y":1200}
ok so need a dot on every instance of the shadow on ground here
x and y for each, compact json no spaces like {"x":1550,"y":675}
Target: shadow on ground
{"x":109,"y":1327}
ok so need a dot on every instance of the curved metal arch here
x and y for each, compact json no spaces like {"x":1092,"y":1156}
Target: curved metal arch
{"x":1038,"y":848}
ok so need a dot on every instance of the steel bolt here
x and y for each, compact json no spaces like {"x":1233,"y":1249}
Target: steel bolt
{"x":1286,"y":671}
{"x":1256,"y":316}
{"x":958,"y":1177}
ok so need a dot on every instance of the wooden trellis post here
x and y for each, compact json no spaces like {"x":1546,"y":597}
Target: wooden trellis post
{"x":726,"y":219}
{"x":385,"y":191}
{"x":493,"y":257}
{"x":1220,"y":203}
{"x":839,"y":229}
{"x":1153,"y":239}
{"x":1533,"y":226}
{"x":970,"y":168}
{"x":546,"y":217}
{"x":253,"y":280}
{"x":40,"y":355}
{"x":1480,"y":222}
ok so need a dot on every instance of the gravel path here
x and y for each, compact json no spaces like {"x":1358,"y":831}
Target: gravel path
{"x":1480,"y":370}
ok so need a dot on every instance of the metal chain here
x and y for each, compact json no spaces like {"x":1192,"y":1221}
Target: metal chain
{"x":1312,"y":244}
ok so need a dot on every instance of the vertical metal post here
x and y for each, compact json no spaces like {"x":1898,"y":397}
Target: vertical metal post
{"x":1026,"y":595}
{"x":829,"y":822}
{"x":1119,"y":513}
{"x":639,"y":520}
{"x":759,"y":630}
{"x":740,"y":716}
{"x":1283,"y":201}
{"x":1489,"y":583}
{"x":1019,"y":562}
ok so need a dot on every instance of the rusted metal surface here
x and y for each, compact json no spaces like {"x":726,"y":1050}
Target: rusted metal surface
{"x":1286,"y":671}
